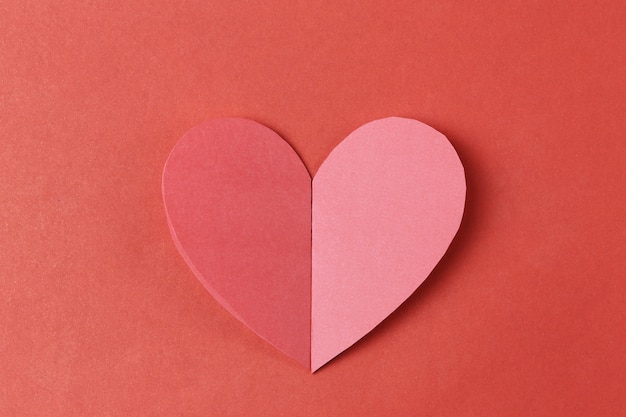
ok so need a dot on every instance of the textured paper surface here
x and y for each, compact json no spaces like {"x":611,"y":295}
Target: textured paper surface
{"x":385,"y":206}
{"x":238,"y":201}
{"x":524,"y":316}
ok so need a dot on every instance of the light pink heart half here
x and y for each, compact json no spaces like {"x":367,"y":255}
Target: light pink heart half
{"x":313,"y":265}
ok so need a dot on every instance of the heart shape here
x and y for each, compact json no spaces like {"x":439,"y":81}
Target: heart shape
{"x":313,"y":265}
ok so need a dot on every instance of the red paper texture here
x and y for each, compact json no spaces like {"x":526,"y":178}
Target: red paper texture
{"x":238,"y":202}
{"x":100,"y":315}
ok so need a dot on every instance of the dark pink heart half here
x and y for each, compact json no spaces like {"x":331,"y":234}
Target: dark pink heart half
{"x":309,"y":265}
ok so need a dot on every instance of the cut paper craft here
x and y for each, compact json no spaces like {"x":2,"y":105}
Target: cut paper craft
{"x":313,"y":265}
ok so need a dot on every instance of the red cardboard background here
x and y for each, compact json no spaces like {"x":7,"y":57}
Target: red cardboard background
{"x":99,"y":315}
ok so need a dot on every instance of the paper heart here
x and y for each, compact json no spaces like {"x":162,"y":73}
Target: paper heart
{"x":313,"y":265}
